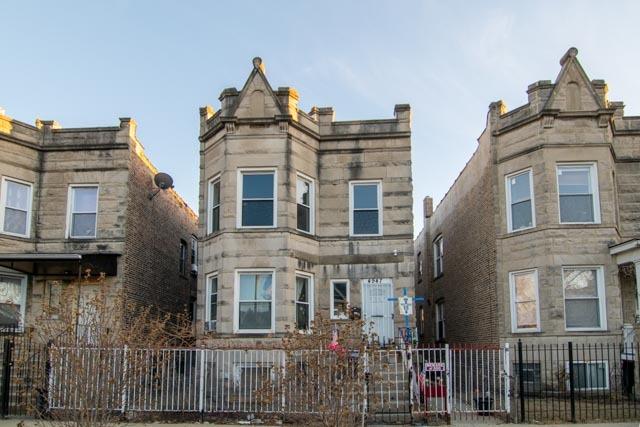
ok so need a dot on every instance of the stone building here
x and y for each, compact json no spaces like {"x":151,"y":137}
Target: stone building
{"x":300,"y":214}
{"x":76,"y":202}
{"x":539,"y":236}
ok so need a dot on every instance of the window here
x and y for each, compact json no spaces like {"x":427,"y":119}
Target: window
{"x":183,"y":257}
{"x":438,"y":257}
{"x":584,"y":302}
{"x":339,"y":299}
{"x":304,"y":301}
{"x":13,"y":294}
{"x":214,"y":205}
{"x":15,"y":207}
{"x":305,"y":203}
{"x":520,"y":205}
{"x":525,"y":312}
{"x":440,"y":321}
{"x":419,"y":265}
{"x":254,"y":296}
{"x":365,"y":216}
{"x":211,"y":306}
{"x":592,"y":375}
{"x":531,"y":377}
{"x":194,"y":252}
{"x":257,"y":191}
{"x":83,"y":211}
{"x":578,"y":194}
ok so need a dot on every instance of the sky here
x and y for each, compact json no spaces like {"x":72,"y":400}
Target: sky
{"x":89,"y":63}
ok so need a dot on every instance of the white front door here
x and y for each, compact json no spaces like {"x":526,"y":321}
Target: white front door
{"x":377,"y":309}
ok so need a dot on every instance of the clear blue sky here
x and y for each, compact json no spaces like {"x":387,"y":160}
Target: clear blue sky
{"x":88,"y":63}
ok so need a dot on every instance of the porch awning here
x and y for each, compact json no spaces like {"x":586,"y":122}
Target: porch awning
{"x":61,"y":264}
{"x":625,"y":252}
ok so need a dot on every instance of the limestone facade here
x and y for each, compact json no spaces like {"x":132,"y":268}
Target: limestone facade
{"x":308,"y":210}
{"x":75,"y":200}
{"x":540,"y":229}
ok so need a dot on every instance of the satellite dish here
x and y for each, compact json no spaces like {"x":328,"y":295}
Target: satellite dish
{"x":163,"y":180}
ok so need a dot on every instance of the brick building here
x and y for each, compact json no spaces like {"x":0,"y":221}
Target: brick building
{"x":300,"y":213}
{"x":78,"y":199}
{"x":539,"y":236}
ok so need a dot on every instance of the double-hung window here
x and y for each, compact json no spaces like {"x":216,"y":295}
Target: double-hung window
{"x":15,"y":205}
{"x":304,"y":301}
{"x":339,"y":299}
{"x":183,"y":257}
{"x":305,"y":204}
{"x":525,"y":311}
{"x":13,"y":295}
{"x":365,"y":203}
{"x":520,"y":205}
{"x":211,"y":307}
{"x":214,"y":205}
{"x":194,"y":253}
{"x":578,"y":193}
{"x":584,"y":298}
{"x":83,"y":211}
{"x":438,"y":257}
{"x":255,"y":301}
{"x":440,"y":334}
{"x":258,"y":198}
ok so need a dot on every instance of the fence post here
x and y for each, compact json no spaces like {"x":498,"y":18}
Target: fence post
{"x":506,"y":360}
{"x":201,"y":384}
{"x":125,"y":367}
{"x":521,"y":381}
{"x":447,"y":364}
{"x":571,"y":385}
{"x":6,"y":377}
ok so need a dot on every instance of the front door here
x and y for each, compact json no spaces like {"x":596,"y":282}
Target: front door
{"x":377,"y":309}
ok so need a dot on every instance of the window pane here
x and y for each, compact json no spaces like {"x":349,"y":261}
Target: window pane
{"x":257,"y":186}
{"x":576,"y":208}
{"x":521,"y":215}
{"x":213,"y":312}
{"x":303,"y":218}
{"x":597,"y":375}
{"x":255,"y":315}
{"x":574,"y":181}
{"x":85,"y":199}
{"x":525,"y":287}
{"x":215,"y":219}
{"x":216,"y":193}
{"x":526,"y":315}
{"x":83,"y":225}
{"x":15,"y":221}
{"x":264,"y":287}
{"x":302,"y":316}
{"x":213,"y":285}
{"x":247,"y":287}
{"x":365,"y":196}
{"x":519,"y":186}
{"x":301,"y":289}
{"x":257,"y":213}
{"x":339,"y":298}
{"x":580,"y":283}
{"x":17,"y":195}
{"x":365,"y":222}
{"x":580,"y":374}
{"x":302,"y":192}
{"x":10,"y":295}
{"x":582,"y":313}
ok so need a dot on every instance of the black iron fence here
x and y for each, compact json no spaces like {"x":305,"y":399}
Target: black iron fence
{"x":571,"y":382}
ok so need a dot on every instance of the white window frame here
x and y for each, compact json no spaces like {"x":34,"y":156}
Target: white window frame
{"x":210,"y":206}
{"x":439,"y":312}
{"x":514,"y":312}
{"x":593,"y":175}
{"x":236,"y":301}
{"x":438,"y":243}
{"x":507,"y":187}
{"x":263,"y":171}
{"x":70,"y":196}
{"x":310,"y":303}
{"x":312,"y":202}
{"x":194,"y":251}
{"x":3,"y":205}
{"x":602,"y":300}
{"x":207,"y":304}
{"x":589,"y":362}
{"x":331,"y":306}
{"x":353,"y":184}
{"x":23,"y":293}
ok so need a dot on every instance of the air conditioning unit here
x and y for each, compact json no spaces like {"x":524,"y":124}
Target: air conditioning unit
{"x":194,"y":269}
{"x":210,"y":326}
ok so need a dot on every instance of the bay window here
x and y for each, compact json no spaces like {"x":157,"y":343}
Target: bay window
{"x":578,"y":193}
{"x":257,"y":205}
{"x":584,"y":298}
{"x":254,"y":311}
